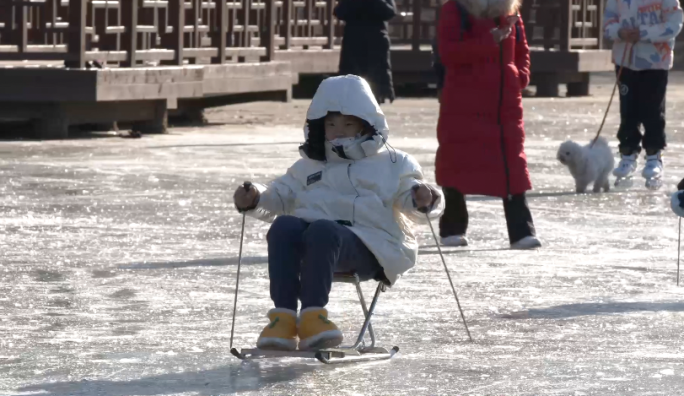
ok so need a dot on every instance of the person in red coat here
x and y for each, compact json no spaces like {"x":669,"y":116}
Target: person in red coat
{"x":484,"y":52}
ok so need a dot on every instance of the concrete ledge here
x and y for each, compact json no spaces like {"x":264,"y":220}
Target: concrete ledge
{"x":311,"y":61}
{"x":149,"y":83}
{"x":247,"y":77}
{"x":580,"y":61}
{"x":55,"y":98}
{"x":171,"y":83}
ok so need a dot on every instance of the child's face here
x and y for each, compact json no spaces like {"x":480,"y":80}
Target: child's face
{"x":342,"y":126}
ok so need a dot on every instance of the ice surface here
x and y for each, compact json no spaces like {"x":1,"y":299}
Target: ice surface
{"x":118,"y":261}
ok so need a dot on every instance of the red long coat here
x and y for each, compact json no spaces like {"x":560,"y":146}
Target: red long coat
{"x":480,"y":129}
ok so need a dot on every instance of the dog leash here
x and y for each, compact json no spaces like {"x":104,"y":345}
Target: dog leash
{"x":617,"y":82}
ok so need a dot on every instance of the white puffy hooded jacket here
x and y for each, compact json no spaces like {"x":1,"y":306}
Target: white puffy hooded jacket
{"x":371,"y":196}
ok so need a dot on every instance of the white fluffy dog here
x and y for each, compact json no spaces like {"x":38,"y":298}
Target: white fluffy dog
{"x":588,"y":164}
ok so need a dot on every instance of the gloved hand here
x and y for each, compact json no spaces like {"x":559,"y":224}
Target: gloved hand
{"x":424,"y":198}
{"x":246,"y":197}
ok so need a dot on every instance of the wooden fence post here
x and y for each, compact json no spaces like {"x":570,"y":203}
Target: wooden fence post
{"x":287,"y":16}
{"x":6,"y":18}
{"x":175,"y":40}
{"x":129,"y":16}
{"x":330,"y":26}
{"x":526,"y":15}
{"x":196,"y":13}
{"x":416,"y":30}
{"x":218,"y":38}
{"x":76,"y":38}
{"x":246,"y":35}
{"x":268,"y":31}
{"x":599,"y":22}
{"x":100,"y":29}
{"x":565,"y":24}
{"x":308,"y":10}
{"x":22,"y":31}
{"x":549,"y":16}
{"x":438,"y":11}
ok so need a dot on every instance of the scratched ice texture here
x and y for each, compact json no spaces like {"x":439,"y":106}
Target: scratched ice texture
{"x":119,"y":256}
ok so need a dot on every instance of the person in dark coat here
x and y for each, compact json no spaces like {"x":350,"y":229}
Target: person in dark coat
{"x":483,"y":50}
{"x":366,"y":44}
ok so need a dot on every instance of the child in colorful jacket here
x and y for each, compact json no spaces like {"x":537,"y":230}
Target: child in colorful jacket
{"x":644,"y":33}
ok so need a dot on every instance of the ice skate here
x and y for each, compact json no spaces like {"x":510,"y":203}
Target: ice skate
{"x":316,"y":331}
{"x":281,"y":333}
{"x":454,"y":240}
{"x":527,"y":243}
{"x":625,"y":170}
{"x":653,"y":171}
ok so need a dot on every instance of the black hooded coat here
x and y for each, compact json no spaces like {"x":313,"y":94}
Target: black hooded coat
{"x":366,"y":43}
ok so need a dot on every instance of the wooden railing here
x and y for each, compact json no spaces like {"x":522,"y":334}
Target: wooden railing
{"x":135,"y":32}
{"x":142,"y":32}
{"x":564,"y":24}
{"x":416,"y":23}
{"x":550,"y":24}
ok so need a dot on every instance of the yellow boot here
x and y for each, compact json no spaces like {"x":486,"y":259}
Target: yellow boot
{"x":316,"y":331}
{"x":281,"y":333}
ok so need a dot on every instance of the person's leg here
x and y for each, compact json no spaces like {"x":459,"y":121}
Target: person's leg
{"x":355,"y":257}
{"x":653,"y":87}
{"x":285,"y":253}
{"x":329,"y":247}
{"x":630,"y":117}
{"x":518,"y":218}
{"x":652,"y":104}
{"x":454,"y":220}
{"x":379,"y":68}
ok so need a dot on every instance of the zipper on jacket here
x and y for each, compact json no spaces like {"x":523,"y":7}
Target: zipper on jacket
{"x":499,"y":120}
{"x":357,"y":193}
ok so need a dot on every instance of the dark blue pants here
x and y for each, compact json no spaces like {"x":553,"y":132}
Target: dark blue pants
{"x":302,"y":258}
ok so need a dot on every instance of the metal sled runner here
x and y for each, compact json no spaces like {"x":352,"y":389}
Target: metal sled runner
{"x":357,"y":352}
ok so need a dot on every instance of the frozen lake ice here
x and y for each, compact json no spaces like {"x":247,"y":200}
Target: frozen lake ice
{"x":118,"y":260}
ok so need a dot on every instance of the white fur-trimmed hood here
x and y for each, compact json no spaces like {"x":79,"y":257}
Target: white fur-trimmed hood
{"x":490,"y":8}
{"x":349,"y":95}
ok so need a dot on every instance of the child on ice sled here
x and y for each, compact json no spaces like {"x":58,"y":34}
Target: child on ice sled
{"x":644,"y":32}
{"x":343,"y":207}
